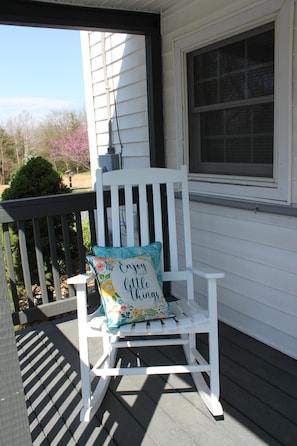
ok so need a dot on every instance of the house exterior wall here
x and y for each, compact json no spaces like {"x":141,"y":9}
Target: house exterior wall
{"x":257,"y":251}
{"x":115,"y":87}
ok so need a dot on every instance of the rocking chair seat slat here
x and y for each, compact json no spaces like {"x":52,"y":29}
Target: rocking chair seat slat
{"x":125,"y":330}
{"x":97,"y":322}
{"x":169,"y":325}
{"x":183,"y":319}
{"x":186,"y":315}
{"x":192,"y":310}
{"x":141,"y":328}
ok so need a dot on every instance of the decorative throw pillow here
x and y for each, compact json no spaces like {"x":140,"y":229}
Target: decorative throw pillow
{"x":125,"y":252}
{"x":130,"y":290}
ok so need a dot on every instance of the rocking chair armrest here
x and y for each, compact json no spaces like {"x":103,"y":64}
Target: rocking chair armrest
{"x":207,"y":272}
{"x":81,"y":279}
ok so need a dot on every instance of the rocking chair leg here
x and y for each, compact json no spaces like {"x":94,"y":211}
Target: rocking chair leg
{"x":211,"y":402}
{"x":213,"y":340}
{"x":98,"y":395}
{"x":87,"y":413}
{"x":83,"y":345}
{"x":210,"y":394}
{"x":90,"y":400}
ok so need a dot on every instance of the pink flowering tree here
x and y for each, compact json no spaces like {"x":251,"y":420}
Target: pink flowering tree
{"x":72,"y":149}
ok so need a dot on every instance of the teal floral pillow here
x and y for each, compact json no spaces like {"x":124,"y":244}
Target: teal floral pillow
{"x":125,"y":252}
{"x":129,"y":289}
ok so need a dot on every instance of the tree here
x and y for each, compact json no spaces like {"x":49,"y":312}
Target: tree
{"x":7,"y":156}
{"x":56,"y":124}
{"x":31,"y":139}
{"x":23,"y":130}
{"x":72,"y":148}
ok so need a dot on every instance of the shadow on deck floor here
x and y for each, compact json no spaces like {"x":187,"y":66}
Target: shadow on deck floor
{"x":258,"y":393}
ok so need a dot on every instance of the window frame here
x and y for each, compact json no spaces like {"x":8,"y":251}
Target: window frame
{"x":278,"y":188}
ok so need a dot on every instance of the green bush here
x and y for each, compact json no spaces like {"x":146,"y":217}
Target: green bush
{"x":38,"y":178}
{"x":86,"y":236}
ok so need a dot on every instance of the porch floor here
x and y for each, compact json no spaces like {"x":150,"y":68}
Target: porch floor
{"x":258,"y":393}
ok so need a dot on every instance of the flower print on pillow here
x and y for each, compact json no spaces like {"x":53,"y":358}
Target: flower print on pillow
{"x":130,"y":290}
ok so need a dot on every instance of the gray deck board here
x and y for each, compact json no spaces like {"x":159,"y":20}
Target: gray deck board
{"x":258,"y":388}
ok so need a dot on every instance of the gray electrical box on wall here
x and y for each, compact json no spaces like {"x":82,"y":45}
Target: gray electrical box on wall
{"x":109,"y":161}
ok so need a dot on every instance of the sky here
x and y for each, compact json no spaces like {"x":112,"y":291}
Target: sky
{"x":41,"y":70}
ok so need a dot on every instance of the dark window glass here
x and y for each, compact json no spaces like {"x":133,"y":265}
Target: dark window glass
{"x":231,"y":105}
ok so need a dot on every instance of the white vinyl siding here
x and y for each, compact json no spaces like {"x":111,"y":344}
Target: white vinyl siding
{"x":258,"y":253}
{"x":116,"y":88}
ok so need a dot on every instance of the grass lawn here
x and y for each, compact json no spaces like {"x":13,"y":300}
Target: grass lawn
{"x":80,"y":181}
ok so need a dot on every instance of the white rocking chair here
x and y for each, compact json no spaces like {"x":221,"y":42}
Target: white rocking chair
{"x":157,"y":219}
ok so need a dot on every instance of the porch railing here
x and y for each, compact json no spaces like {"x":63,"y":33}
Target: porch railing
{"x":52,"y":225}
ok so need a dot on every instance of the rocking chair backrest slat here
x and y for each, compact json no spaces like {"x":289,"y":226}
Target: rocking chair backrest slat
{"x":157,"y":213}
{"x":100,"y":215}
{"x":129,"y":215}
{"x":187,"y":225}
{"x":143,"y":215}
{"x":172,"y":228}
{"x":115,"y":216}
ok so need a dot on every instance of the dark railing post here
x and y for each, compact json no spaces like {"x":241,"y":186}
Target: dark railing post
{"x":25,"y":262}
{"x":54,"y":256}
{"x":40,"y":260}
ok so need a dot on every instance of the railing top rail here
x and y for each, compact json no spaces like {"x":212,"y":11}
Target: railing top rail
{"x":50,"y":205}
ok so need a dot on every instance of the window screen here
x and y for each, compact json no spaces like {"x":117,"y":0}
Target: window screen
{"x":231,"y":105}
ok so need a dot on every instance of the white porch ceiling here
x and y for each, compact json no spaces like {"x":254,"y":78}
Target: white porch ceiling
{"x":153,"y":6}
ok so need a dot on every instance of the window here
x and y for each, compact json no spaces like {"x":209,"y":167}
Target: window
{"x":233,"y":80}
{"x":231,"y":105}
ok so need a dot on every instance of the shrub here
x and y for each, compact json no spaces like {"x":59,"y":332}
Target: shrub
{"x":34,"y":179}
{"x":38,"y":178}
